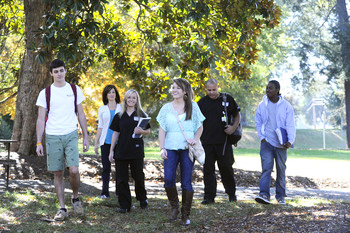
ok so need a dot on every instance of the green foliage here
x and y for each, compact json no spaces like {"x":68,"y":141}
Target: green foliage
{"x":11,"y":51}
{"x":76,"y":30}
{"x":144,"y":38}
{"x":317,"y":41}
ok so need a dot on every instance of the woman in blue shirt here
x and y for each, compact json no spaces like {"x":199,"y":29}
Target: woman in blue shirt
{"x":111,"y":100}
{"x":173,"y":144}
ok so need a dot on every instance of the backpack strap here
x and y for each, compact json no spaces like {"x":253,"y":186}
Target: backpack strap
{"x":224,"y":97}
{"x":74,"y":88}
{"x":48,"y":97}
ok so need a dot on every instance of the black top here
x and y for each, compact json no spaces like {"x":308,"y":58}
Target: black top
{"x":127,"y":147}
{"x":214,"y":123}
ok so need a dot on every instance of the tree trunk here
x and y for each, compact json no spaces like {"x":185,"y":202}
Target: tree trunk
{"x":347,"y":107}
{"x":344,"y":29}
{"x":32,"y":78}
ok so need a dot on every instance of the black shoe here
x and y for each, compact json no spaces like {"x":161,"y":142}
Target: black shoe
{"x":144,"y":204}
{"x":208,"y":201}
{"x":232,"y":198}
{"x":123,"y":211}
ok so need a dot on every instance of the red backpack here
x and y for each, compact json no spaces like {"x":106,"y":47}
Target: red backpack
{"x":48,"y":96}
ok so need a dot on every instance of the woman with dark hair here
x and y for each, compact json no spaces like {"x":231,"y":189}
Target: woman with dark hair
{"x":129,"y":152}
{"x":111,"y":107}
{"x":173,"y":145}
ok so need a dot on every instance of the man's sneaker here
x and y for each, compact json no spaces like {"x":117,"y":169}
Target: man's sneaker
{"x":207,"y":201}
{"x":144,"y":204}
{"x":104,"y":197}
{"x":281,"y":201}
{"x":61,"y":215}
{"x":78,"y":208}
{"x":263,"y":199}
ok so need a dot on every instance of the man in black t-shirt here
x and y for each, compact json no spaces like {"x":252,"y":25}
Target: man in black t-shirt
{"x":214,"y":140}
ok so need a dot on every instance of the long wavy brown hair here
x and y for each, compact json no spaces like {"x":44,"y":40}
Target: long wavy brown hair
{"x":188,"y":97}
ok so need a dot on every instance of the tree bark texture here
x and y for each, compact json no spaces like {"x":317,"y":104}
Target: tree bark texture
{"x":344,"y":29}
{"x":33,"y":78}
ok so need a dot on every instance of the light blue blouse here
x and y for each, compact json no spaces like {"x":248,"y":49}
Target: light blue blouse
{"x":174,"y":138}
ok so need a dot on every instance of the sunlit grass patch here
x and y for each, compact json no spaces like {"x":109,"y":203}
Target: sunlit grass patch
{"x":100,"y":215}
{"x":308,"y":202}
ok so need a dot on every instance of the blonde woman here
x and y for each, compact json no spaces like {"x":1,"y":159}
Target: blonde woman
{"x":129,"y":151}
{"x":103,"y":139}
{"x":173,"y":144}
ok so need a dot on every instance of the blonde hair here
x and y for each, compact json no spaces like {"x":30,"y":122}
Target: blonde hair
{"x":188,"y":97}
{"x":138,"y":107}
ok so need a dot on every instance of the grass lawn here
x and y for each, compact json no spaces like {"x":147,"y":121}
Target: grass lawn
{"x":308,"y":145}
{"x":27,"y":212}
{"x":301,"y":154}
{"x":153,"y":153}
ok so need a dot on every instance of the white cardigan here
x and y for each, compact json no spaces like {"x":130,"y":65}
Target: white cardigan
{"x":104,"y":116}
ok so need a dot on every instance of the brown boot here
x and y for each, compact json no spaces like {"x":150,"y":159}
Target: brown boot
{"x":174,"y":202}
{"x":187,"y":197}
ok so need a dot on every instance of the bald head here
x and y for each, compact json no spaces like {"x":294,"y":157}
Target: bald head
{"x":212,"y":81}
{"x":212,"y":88}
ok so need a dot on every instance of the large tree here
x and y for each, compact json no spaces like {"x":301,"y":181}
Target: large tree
{"x":320,"y":39}
{"x":344,"y":39}
{"x":148,"y":42}
{"x":32,"y":78}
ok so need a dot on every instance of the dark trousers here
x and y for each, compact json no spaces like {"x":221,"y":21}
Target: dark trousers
{"x":213,"y":153}
{"x":124,"y":194}
{"x":106,"y":170}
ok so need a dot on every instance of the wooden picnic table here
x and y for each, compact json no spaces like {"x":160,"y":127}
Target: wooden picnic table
{"x":7,"y":162}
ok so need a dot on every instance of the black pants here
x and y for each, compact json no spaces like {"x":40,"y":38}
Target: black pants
{"x":106,"y":170}
{"x":213,"y":153}
{"x":124,"y":194}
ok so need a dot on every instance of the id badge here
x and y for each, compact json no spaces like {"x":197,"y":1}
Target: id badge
{"x":136,"y":118}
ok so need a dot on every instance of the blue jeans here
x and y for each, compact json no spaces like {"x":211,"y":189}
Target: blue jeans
{"x":268,"y":154}
{"x":186,"y":166}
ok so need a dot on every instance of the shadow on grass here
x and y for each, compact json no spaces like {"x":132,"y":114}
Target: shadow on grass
{"x":32,"y":212}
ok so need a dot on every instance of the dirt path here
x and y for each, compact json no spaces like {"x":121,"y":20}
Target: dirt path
{"x":305,"y":178}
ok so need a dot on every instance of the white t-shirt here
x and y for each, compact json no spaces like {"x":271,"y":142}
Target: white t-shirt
{"x":62,"y":118}
{"x":271,"y":125}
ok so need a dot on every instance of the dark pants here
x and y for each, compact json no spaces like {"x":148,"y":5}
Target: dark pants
{"x":124,"y":194}
{"x":213,"y":153}
{"x":106,"y":170}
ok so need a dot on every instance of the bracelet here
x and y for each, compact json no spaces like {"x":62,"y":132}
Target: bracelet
{"x":39,"y":143}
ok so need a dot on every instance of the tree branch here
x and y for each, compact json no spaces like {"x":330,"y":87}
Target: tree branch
{"x":7,"y":98}
{"x":326,"y":19}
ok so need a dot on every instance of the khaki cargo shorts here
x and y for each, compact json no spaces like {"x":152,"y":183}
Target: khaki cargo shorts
{"x":62,"y":151}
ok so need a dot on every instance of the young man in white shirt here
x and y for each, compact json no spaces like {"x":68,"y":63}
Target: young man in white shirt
{"x":65,"y":110}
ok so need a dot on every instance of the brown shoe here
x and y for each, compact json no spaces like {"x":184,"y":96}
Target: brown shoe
{"x":187,"y":197}
{"x":174,"y":202}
